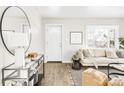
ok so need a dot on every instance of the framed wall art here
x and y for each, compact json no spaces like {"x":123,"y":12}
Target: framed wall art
{"x":76,"y":38}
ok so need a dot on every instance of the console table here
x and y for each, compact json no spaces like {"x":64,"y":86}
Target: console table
{"x":23,"y":76}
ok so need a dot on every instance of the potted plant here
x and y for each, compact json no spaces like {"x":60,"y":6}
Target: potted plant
{"x":121,"y":41}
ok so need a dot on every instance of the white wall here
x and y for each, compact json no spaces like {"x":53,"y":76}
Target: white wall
{"x":38,"y":33}
{"x":37,"y":37}
{"x":78,"y":25}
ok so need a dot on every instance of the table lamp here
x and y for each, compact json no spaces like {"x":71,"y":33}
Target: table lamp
{"x":19,"y":42}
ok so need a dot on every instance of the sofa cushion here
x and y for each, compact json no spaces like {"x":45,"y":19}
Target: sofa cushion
{"x":88,"y":53}
{"x":120,"y":53}
{"x":91,"y":51}
{"x":99,"y":53}
{"x":120,"y":60}
{"x":101,"y":60}
{"x":111,"y":53}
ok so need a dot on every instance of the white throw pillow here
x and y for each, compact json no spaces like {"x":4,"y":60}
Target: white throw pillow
{"x":88,"y":53}
{"x":111,"y":53}
{"x":91,"y":51}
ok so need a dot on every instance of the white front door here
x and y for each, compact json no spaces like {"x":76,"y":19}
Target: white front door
{"x":53,"y":42}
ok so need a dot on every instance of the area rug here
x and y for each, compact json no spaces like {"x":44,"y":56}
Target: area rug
{"x":77,"y":74}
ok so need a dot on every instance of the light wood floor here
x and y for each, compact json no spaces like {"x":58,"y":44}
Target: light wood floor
{"x":57,"y":74}
{"x":60,"y":74}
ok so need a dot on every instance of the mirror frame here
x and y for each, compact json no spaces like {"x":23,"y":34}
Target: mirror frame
{"x":1,"y":20}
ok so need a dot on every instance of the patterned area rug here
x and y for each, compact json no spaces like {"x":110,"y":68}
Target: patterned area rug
{"x":77,"y":74}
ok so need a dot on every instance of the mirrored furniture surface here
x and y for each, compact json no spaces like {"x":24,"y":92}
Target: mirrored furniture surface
{"x":29,"y":75}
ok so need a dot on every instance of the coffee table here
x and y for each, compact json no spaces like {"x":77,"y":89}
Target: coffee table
{"x":115,"y":69}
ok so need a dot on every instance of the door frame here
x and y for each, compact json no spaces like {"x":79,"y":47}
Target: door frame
{"x":46,"y":31}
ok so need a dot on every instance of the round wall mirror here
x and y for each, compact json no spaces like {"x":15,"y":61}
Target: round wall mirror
{"x":14,"y":27}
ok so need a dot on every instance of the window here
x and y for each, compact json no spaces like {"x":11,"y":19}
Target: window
{"x":102,"y":36}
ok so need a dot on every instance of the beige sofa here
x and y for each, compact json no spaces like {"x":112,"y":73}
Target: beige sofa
{"x":98,"y":57}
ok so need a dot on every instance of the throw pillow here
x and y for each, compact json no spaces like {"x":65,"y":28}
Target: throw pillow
{"x":88,"y":53}
{"x":120,"y":53}
{"x":91,"y":51}
{"x":111,"y":54}
{"x":99,"y":52}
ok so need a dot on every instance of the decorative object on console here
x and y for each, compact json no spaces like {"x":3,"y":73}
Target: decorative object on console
{"x":19,"y":40}
{"x":32,"y":55}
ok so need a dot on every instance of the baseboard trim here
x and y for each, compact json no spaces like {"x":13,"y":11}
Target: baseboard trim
{"x":58,"y":62}
{"x":54,"y":62}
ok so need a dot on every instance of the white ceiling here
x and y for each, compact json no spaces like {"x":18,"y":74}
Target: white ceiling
{"x":81,"y":11}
